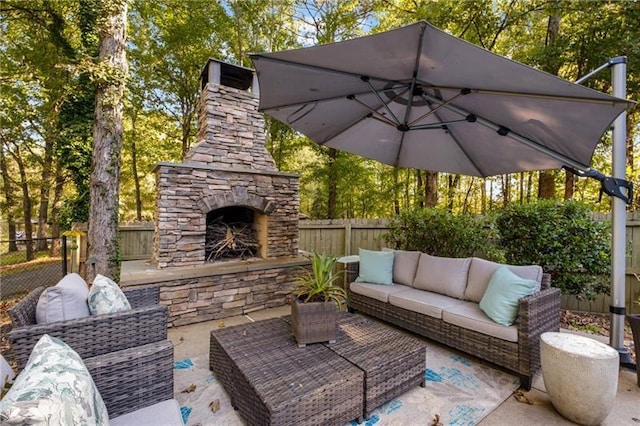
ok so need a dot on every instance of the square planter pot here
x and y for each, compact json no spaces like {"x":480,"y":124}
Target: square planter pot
{"x":313,"y":322}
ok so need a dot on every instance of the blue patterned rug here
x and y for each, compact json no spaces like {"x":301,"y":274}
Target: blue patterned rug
{"x":458,"y":390}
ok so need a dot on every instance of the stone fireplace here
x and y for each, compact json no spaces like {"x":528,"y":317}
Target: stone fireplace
{"x":225,"y":216}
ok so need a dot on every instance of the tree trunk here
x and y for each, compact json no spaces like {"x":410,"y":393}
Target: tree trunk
{"x":431,"y":189}
{"x":26,"y":204}
{"x":547,"y":185}
{"x":7,"y":206}
{"x":134,"y":166}
{"x":107,"y":144}
{"x":506,"y":189}
{"x":396,"y":192}
{"x":55,"y":209}
{"x":419,"y":189}
{"x":454,"y":180}
{"x":332,"y":184}
{"x":45,"y":190}
{"x":483,"y":196}
{"x":569,"y":185}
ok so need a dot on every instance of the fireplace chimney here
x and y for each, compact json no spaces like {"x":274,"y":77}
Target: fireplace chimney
{"x":230,"y":128}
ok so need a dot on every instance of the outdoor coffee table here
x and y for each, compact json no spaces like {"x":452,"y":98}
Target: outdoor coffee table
{"x":273,"y":382}
{"x":393,"y":362}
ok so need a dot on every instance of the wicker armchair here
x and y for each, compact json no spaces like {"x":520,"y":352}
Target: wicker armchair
{"x":133,"y":378}
{"x":95,"y":335}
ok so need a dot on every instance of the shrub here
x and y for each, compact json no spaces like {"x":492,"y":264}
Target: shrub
{"x":562,"y":238}
{"x":440,"y":233}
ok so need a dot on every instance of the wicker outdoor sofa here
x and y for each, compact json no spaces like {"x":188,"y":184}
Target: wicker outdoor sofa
{"x":458,"y":322}
{"x":95,"y":335}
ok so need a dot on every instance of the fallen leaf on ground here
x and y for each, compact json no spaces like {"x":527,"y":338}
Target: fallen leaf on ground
{"x":215,"y":405}
{"x":189,"y":389}
{"x":220,"y":324}
{"x":521,"y":397}
{"x":436,"y":420}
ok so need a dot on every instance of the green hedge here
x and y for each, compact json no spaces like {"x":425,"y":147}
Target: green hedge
{"x":559,"y":236}
{"x":441,"y":233}
{"x":562,"y":238}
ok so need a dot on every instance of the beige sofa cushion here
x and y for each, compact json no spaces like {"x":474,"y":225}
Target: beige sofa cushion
{"x":423,"y":302}
{"x":442,"y":275}
{"x":481,"y":271}
{"x":405,"y":265}
{"x":468,"y":315}
{"x":376,"y":291}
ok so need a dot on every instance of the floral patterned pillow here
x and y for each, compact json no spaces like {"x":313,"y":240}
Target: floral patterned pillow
{"x":105,"y":297}
{"x":55,"y":388}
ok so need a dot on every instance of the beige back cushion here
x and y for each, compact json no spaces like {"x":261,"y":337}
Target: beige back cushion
{"x":481,"y":271}
{"x":405,"y":265}
{"x":443,"y":275}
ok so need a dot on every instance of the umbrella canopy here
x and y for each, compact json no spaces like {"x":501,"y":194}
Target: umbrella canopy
{"x":418,"y":97}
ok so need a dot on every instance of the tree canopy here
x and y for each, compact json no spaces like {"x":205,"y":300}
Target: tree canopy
{"x":50,"y":71}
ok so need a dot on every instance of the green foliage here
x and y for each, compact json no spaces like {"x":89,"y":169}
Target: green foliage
{"x":441,"y":233}
{"x":319,"y":284}
{"x":563,"y":239}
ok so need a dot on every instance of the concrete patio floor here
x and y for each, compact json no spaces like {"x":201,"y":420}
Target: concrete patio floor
{"x":193,"y":340}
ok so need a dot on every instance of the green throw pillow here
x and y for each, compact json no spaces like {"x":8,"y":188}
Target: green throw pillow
{"x":376,"y":267}
{"x":500,"y":300}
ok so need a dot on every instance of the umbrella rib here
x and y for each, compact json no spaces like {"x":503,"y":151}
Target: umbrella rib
{"x":318,"y":100}
{"x":386,"y":105}
{"x":429,"y":100}
{"x":376,"y":114}
{"x":441,"y":105}
{"x":612,"y":100}
{"x":321,"y":68}
{"x":416,"y":67}
{"x":503,"y":131}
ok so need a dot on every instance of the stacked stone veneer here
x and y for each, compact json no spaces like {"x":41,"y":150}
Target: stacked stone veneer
{"x":230,"y":130}
{"x":187,"y":192}
{"x":224,"y":294}
{"x":228,"y":167}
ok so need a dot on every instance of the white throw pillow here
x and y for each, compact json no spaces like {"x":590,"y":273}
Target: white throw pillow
{"x":55,"y":388}
{"x":66,"y":300}
{"x":105,"y":297}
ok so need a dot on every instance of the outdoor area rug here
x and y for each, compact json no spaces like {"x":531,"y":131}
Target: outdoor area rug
{"x":458,"y":390}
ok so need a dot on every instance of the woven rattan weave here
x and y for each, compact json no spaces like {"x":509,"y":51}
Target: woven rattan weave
{"x":537,"y":313}
{"x":272,"y":381}
{"x":393,"y":362}
{"x":94,"y":335}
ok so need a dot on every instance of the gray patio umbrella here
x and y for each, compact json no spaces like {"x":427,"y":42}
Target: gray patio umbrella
{"x":418,"y":97}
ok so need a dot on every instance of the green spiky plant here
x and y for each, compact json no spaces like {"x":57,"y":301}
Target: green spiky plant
{"x":320,"y":283}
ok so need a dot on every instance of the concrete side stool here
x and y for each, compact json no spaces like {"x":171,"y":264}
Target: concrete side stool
{"x":581,"y":376}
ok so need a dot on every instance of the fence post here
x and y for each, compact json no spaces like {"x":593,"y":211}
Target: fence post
{"x":64,"y":255}
{"x":347,"y":239}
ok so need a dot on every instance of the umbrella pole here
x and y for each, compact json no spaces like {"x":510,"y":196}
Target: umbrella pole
{"x":618,"y":256}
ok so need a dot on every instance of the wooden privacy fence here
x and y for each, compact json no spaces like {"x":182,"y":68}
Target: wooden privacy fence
{"x":344,"y":237}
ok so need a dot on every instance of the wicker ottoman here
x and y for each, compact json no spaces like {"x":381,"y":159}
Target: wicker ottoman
{"x":272,"y":381}
{"x":581,"y":376}
{"x":392,"y":362}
